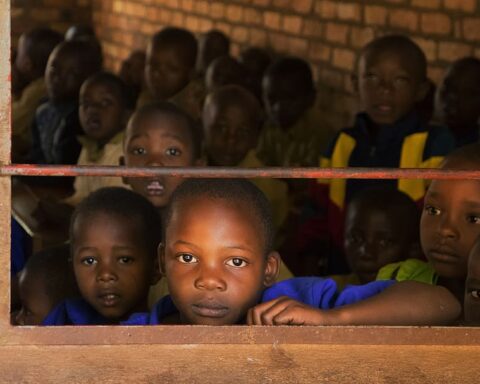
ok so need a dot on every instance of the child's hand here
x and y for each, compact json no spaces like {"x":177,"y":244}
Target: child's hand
{"x":285,"y":311}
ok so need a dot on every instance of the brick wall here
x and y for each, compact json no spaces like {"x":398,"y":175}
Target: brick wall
{"x":328,"y":33}
{"x":57,"y":14}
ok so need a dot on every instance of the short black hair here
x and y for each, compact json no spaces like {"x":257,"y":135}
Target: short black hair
{"x":125,"y":204}
{"x":86,"y":53}
{"x":79,"y":32}
{"x":53,"y":266}
{"x":398,"y":44}
{"x":232,"y":190}
{"x":182,"y":40}
{"x":238,"y":96}
{"x":171,"y":109}
{"x":116,"y":84}
{"x":40,"y":42}
{"x":393,"y":201}
{"x":295,"y":70}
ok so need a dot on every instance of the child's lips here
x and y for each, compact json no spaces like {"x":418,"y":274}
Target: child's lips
{"x":384,"y":108}
{"x":443,"y":255}
{"x":155,"y":188}
{"x":109,"y":299}
{"x":210,"y":308}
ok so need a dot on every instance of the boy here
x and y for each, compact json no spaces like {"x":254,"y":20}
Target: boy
{"x":381,"y":227}
{"x":449,"y":225}
{"x":458,"y":100}
{"x":219,"y":262}
{"x":34,"y":47}
{"x":56,"y":123}
{"x":105,"y":107}
{"x":390,"y":80}
{"x":114,"y":234}
{"x":293,"y":134}
{"x":46,"y":280}
{"x":211,"y":45}
{"x":471,"y":303}
{"x":160,"y":135}
{"x":225,"y":70}
{"x":232,"y":119}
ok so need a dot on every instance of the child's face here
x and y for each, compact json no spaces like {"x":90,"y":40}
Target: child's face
{"x":133,"y":69}
{"x":373,"y":239}
{"x":472,"y":288}
{"x":101,"y":111}
{"x":36,"y":302}
{"x":215,"y":262}
{"x":285,"y":101}
{"x":166,"y":74}
{"x":450,"y":224}
{"x":112,"y":265}
{"x":230,"y":132}
{"x":23,"y":63}
{"x":157,"y":141}
{"x":63,"y":77}
{"x":388,"y":86}
{"x":458,"y":99}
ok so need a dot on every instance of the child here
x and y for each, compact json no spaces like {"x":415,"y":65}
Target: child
{"x":449,"y":226}
{"x":114,"y":235}
{"x":459,"y":100}
{"x":34,"y":47}
{"x":105,"y":107}
{"x":45,"y":281}
{"x":56,"y":122}
{"x":390,"y":80}
{"x":471,"y":303}
{"x":256,"y":61}
{"x":381,"y":227}
{"x":219,"y":261}
{"x":225,"y":70}
{"x":294,"y":134}
{"x":232,"y":119}
{"x":79,"y":32}
{"x":160,"y":135}
{"x":211,"y":45}
{"x":132,"y":71}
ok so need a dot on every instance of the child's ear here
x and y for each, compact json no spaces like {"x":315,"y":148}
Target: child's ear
{"x":354,"y":80}
{"x":272,"y":268}
{"x":422,"y":90}
{"x":161,"y":259}
{"x":121,"y":162}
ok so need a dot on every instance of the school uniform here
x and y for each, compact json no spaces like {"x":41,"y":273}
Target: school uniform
{"x":23,"y":114}
{"x":410,"y":269}
{"x":298,"y":145}
{"x":317,"y":292}
{"x":55,"y":132}
{"x":91,"y":154}
{"x":74,"y":312}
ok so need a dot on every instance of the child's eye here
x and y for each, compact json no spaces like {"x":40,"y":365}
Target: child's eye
{"x":473,"y":219}
{"x":401,"y":80}
{"x":475,"y":293}
{"x":236,"y":262}
{"x":186,"y":258}
{"x":173,"y":151}
{"x":125,"y":259}
{"x":385,"y":243}
{"x":106,"y":103}
{"x":139,"y":151}
{"x":88,"y":261}
{"x":432,"y":211}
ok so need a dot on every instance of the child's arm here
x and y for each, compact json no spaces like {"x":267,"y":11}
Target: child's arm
{"x":404,"y":303}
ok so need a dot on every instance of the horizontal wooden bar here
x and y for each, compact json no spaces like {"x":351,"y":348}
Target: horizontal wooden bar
{"x":239,"y":364}
{"x":225,"y":172}
{"x":360,"y":335}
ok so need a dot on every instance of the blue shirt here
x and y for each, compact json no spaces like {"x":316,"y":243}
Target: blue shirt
{"x":74,"y":312}
{"x":317,"y":292}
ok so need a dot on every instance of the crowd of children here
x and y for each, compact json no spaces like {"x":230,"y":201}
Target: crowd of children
{"x":170,"y":250}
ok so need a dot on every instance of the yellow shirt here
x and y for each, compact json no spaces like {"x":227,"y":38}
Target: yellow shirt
{"x":300,"y":145}
{"x":23,"y":113}
{"x":92,"y":155}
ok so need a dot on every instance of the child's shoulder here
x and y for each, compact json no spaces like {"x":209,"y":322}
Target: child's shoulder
{"x":410,"y":269}
{"x":74,"y":312}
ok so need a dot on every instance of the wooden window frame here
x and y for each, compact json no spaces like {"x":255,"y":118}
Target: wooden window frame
{"x":367,"y":354}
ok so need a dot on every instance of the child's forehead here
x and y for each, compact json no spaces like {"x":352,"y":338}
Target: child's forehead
{"x":160,"y":122}
{"x":100,"y":86}
{"x":400,"y":57}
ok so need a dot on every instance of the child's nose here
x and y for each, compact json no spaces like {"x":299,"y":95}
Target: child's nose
{"x":106,"y":273}
{"x":386,"y":85}
{"x":210,"y":279}
{"x":447,"y":227}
